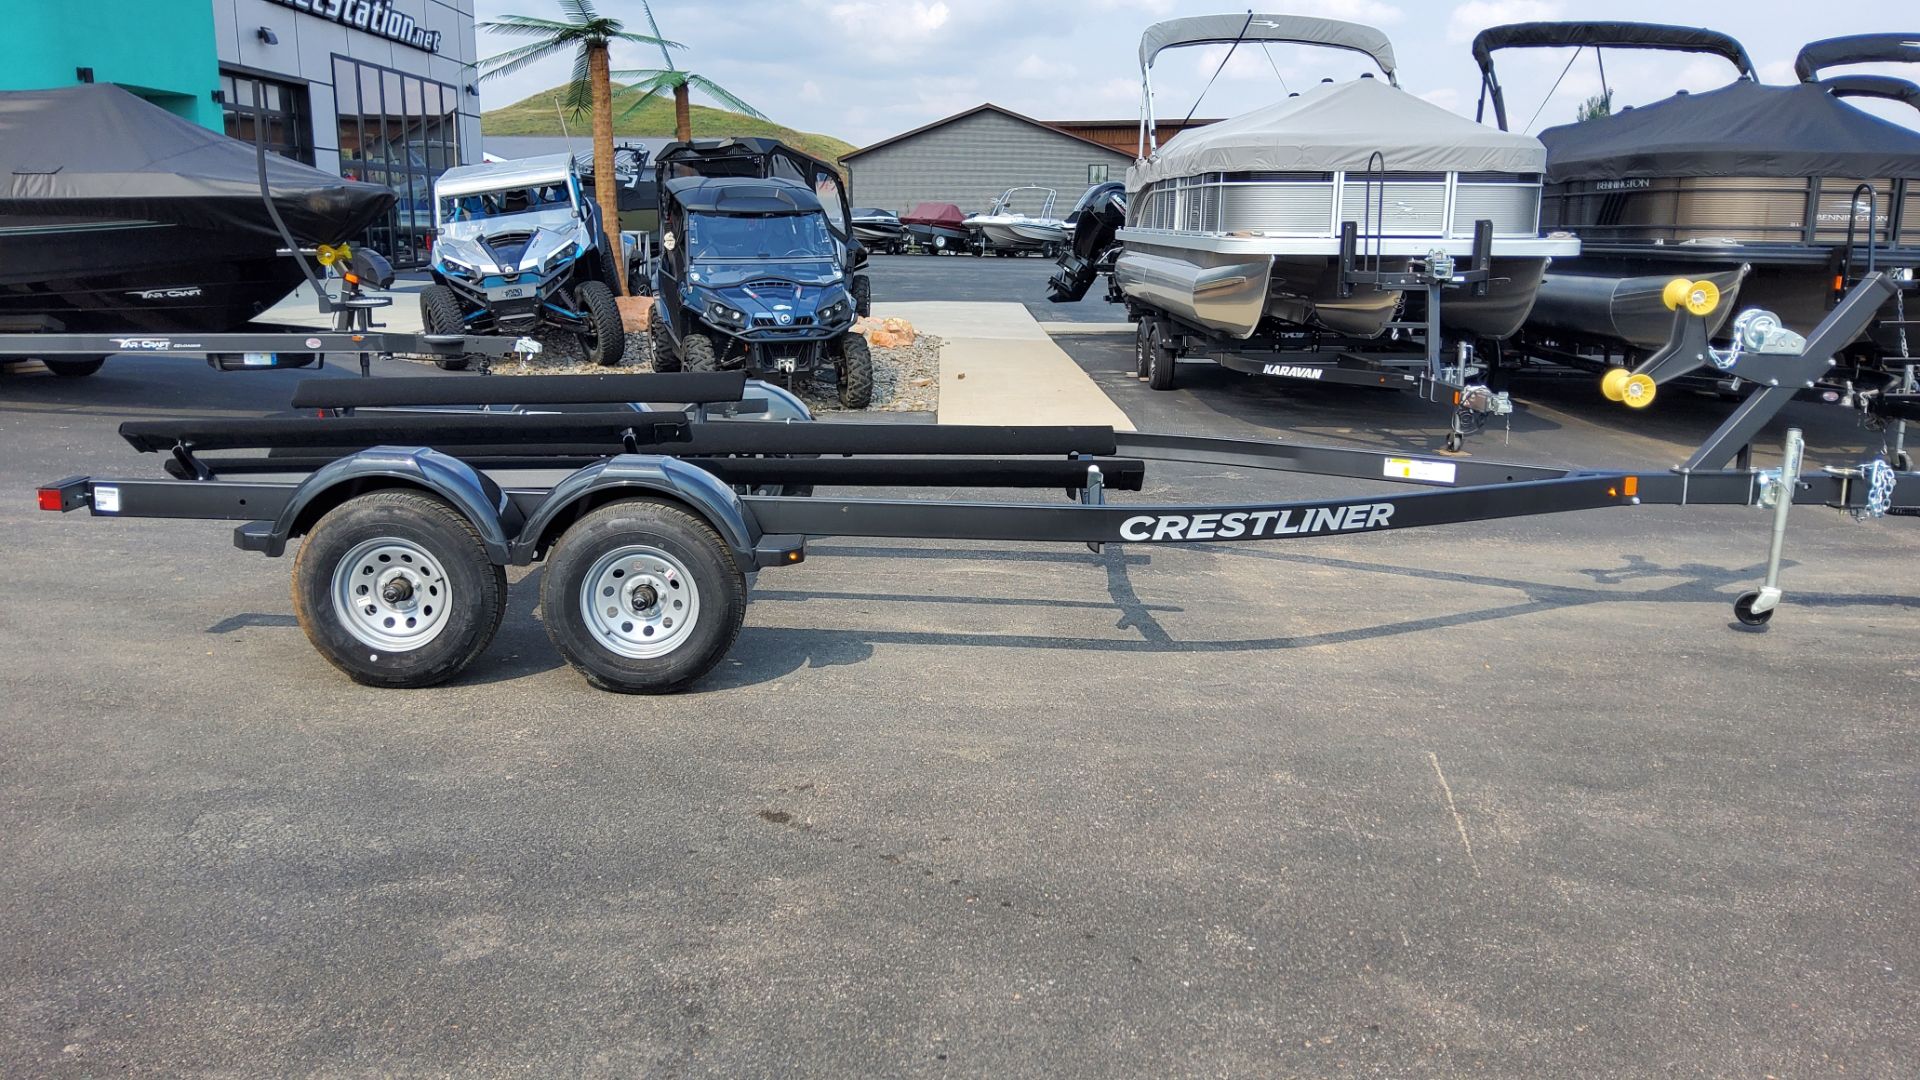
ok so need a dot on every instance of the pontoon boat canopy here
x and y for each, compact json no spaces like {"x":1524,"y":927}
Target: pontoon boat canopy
{"x":1743,"y":129}
{"x":1341,"y":126}
{"x":1293,"y":29}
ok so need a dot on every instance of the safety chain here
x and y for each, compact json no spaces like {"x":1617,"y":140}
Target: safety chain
{"x":1880,"y":478}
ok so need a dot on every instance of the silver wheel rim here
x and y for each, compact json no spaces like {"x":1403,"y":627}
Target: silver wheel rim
{"x":639,"y":602}
{"x":391,"y":594}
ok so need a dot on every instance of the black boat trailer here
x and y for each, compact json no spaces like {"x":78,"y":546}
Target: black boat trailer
{"x":1412,"y":357}
{"x":408,"y":521}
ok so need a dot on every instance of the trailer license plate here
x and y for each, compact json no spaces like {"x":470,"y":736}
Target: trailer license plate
{"x":510,"y":292}
{"x":259,"y":359}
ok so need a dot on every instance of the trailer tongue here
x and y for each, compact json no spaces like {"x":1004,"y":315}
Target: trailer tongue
{"x":408,"y":521}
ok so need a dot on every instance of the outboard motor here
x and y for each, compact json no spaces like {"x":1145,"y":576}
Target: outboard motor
{"x":1096,"y":217}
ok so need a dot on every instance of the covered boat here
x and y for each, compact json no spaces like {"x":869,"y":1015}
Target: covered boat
{"x":116,"y":215}
{"x":1241,"y":221}
{"x":935,"y":226}
{"x":1771,"y":193}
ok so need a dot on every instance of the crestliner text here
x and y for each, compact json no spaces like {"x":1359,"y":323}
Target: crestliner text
{"x":1250,"y":524}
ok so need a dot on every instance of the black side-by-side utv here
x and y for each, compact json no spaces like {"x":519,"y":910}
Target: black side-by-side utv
{"x":758,"y":268}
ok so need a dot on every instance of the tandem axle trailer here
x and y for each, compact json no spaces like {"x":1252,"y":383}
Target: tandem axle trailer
{"x":651,"y":535}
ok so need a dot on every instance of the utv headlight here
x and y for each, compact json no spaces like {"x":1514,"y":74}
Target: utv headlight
{"x":557,"y":260}
{"x":725,"y":315}
{"x":836,"y":311}
{"x":454,"y":268}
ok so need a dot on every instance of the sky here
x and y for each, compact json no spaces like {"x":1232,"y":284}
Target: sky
{"x":863,"y":70}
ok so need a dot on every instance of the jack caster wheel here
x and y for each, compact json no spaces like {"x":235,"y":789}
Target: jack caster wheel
{"x":396,"y":589}
{"x":1455,"y":441}
{"x":642,"y":597}
{"x":1743,"y":610}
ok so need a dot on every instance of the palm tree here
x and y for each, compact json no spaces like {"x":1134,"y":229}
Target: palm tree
{"x":588,"y":35}
{"x":651,"y":81}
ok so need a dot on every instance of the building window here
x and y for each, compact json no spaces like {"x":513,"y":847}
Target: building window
{"x":273,"y":112}
{"x":402,"y":131}
{"x":1096,"y":174}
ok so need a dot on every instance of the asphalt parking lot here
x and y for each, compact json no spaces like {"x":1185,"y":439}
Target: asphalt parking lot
{"x":1509,"y":799}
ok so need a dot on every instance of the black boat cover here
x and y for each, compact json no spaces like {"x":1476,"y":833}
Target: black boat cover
{"x":93,"y":149}
{"x":1620,"y":35}
{"x":1744,"y":129}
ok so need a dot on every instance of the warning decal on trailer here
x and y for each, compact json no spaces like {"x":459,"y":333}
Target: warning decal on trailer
{"x":1432,"y":472}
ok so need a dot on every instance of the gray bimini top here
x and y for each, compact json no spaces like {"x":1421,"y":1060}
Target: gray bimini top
{"x":1340,"y":126}
{"x":1291,"y":29}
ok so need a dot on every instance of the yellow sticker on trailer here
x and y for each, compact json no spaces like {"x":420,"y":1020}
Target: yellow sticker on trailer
{"x":1430,"y":472}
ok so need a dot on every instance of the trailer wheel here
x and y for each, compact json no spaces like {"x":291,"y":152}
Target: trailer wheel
{"x":1143,"y":337}
{"x":855,"y":372}
{"x":642,"y":597}
{"x":74,"y":369}
{"x":395,"y":589}
{"x":440,"y":314}
{"x":696,"y":350}
{"x":605,"y":340}
{"x":1160,"y":360}
{"x":664,"y":358}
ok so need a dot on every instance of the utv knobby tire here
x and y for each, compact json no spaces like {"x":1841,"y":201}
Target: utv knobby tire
{"x":440,"y":313}
{"x":855,"y":371}
{"x":697,"y":354}
{"x":605,"y":340}
{"x":718,"y":584}
{"x":862,"y":290}
{"x":74,"y":369}
{"x":664,"y":358}
{"x":475,"y":590}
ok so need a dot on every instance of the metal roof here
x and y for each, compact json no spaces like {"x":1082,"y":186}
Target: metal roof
{"x":986,"y":106}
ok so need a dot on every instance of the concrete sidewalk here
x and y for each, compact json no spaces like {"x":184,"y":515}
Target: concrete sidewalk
{"x":298,"y":309}
{"x":998,"y":366}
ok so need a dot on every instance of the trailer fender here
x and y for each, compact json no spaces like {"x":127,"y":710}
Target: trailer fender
{"x":466,"y":488}
{"x":628,"y":475}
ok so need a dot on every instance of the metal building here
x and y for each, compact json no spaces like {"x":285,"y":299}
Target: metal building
{"x":969,"y":158}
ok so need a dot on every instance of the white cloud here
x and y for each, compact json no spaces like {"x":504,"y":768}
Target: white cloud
{"x":1474,"y":16}
{"x":1035,"y":66}
{"x":1446,"y":97}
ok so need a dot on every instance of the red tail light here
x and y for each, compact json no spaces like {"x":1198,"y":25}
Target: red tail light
{"x":50,"y":499}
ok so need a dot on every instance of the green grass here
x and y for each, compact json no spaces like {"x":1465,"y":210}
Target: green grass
{"x":536,"y":116}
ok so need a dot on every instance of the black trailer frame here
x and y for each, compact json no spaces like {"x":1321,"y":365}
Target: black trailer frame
{"x":663,"y":482}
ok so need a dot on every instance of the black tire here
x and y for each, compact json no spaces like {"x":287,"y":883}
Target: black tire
{"x":664,"y":358}
{"x":1143,"y":336}
{"x":70,"y":368}
{"x":441,"y":313}
{"x":855,"y":370}
{"x":1160,"y":362}
{"x":1743,"y":610}
{"x":605,"y":340}
{"x":697,"y":353}
{"x":717,"y":597}
{"x":862,"y":291}
{"x":477,"y":588}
